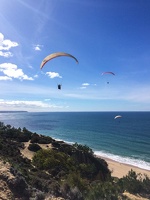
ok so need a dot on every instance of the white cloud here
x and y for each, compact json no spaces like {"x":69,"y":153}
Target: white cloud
{"x":5,"y":78}
{"x":36,"y":76}
{"x":139,"y":94}
{"x":47,"y":99}
{"x":83,"y":87}
{"x":37,"y":47}
{"x":85,"y":84}
{"x":6,"y":54}
{"x":1,"y":39}
{"x":53,"y":74}
{"x":5,"y":46}
{"x":8,"y":44}
{"x":11,"y":71}
{"x":26,"y":105}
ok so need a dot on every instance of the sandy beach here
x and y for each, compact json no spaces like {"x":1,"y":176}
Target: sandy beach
{"x":119,"y":170}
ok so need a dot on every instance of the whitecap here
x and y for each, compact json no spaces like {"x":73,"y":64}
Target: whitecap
{"x":124,"y":160}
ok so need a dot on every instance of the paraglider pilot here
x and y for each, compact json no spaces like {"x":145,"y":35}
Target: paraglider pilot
{"x":59,"y":87}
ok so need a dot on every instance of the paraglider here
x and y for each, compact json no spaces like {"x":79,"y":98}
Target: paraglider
{"x":55,"y":55}
{"x":59,"y":87}
{"x":108,"y":73}
{"x":117,"y":116}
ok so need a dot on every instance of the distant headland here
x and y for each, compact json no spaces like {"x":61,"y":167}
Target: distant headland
{"x":10,"y":111}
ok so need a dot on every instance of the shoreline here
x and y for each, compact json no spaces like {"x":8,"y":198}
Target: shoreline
{"x":119,"y":169}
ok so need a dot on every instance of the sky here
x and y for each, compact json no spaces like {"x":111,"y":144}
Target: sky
{"x":103,"y":35}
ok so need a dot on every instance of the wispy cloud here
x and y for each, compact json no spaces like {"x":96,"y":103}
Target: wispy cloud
{"x":5,"y":78}
{"x":137,"y":94}
{"x":47,"y":99}
{"x":6,"y":45}
{"x":36,"y":76}
{"x":26,"y":105}
{"x":37,"y":47}
{"x":53,"y":74}
{"x":84,"y":85}
{"x":6,"y":54}
{"x":11,"y":71}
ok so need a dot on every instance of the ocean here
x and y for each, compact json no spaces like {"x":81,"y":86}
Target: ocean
{"x":125,"y":140}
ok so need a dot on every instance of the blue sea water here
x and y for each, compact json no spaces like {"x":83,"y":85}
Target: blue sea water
{"x":126,"y":139}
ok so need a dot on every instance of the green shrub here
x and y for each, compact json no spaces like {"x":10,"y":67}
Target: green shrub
{"x":83,"y":148}
{"x":103,"y":191}
{"x":34,"y":147}
{"x":50,"y":159}
{"x":87,"y":170}
{"x":74,"y":179}
{"x":135,"y":183}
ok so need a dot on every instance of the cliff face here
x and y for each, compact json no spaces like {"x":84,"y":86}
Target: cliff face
{"x":7,"y":185}
{"x":5,"y":176}
{"x":37,"y":167}
{"x":65,"y":172}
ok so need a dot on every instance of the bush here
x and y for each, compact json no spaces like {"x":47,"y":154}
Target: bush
{"x":83,"y":148}
{"x":48,"y":159}
{"x":135,"y":183}
{"x":103,"y":190}
{"x":34,"y":147}
{"x":74,"y":179}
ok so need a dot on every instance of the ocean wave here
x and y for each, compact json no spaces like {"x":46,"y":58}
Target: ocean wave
{"x":68,"y":142}
{"x":124,"y":160}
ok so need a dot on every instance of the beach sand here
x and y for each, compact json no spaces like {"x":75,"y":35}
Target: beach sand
{"x":119,"y":170}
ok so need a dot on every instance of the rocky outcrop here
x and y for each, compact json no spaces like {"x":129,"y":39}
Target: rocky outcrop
{"x":5,"y":176}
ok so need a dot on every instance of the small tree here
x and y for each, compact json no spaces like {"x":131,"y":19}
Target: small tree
{"x":83,"y":148}
{"x":34,"y":147}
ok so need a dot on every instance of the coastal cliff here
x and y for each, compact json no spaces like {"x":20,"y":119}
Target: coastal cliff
{"x":35,"y":166}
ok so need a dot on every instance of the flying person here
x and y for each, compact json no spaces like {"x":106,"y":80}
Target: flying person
{"x":59,"y":86}
{"x":108,"y":73}
{"x":117,"y":116}
{"x":55,"y":55}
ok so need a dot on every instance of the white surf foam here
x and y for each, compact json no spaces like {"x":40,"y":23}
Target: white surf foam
{"x":125,"y":160}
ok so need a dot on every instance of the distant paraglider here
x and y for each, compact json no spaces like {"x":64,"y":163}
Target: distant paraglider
{"x":108,"y":73}
{"x":55,"y":55}
{"x":118,"y":116}
{"x":59,"y":87}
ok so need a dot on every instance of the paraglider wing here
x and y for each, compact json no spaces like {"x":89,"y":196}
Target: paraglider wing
{"x":118,"y":116}
{"x":54,"y":55}
{"x":108,"y":73}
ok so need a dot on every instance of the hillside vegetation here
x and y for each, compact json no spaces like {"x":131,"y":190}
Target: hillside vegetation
{"x":70,"y":172}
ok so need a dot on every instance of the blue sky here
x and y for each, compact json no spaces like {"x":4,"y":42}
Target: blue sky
{"x":104,"y":35}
